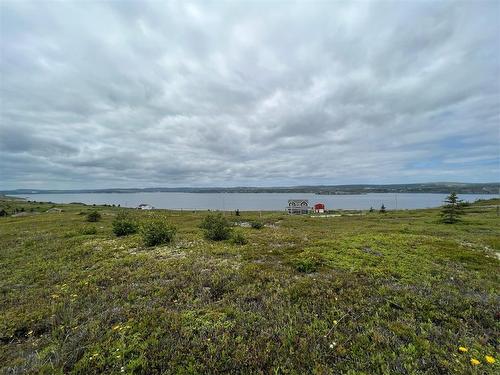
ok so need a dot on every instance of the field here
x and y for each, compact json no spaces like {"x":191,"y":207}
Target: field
{"x":394,"y":293}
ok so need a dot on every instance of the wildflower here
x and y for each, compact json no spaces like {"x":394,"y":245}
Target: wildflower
{"x":489,"y":359}
{"x":331,"y":346}
{"x":116,"y":327}
{"x":474,"y":362}
{"x":122,"y":369}
{"x":31,"y":332}
{"x":463,"y":349}
{"x":335,"y":322}
{"x":55,"y":296}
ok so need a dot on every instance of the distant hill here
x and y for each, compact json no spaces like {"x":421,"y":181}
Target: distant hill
{"x":434,"y":187}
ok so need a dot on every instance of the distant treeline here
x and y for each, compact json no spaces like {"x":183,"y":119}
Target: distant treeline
{"x":438,"y":187}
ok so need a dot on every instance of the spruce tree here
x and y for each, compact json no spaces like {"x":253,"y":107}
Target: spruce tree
{"x":452,"y":209}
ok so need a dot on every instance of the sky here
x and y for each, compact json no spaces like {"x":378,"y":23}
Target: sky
{"x":101,"y":94}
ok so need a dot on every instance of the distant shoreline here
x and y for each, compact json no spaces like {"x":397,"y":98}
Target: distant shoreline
{"x":424,"y":188}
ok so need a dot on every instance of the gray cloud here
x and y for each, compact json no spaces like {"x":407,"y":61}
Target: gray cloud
{"x":107,"y":94}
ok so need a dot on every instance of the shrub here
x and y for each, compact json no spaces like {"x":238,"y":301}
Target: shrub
{"x":216,"y":227}
{"x":124,"y":225}
{"x":93,"y":216}
{"x":157,"y":231}
{"x":238,"y":239}
{"x":88,"y":230}
{"x":257,"y":224}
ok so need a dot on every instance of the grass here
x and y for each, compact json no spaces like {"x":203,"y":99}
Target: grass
{"x":368,"y":294}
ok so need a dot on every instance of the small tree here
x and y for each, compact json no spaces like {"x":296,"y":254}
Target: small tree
{"x":123,"y":225}
{"x":371,"y":209}
{"x":216,"y":227}
{"x":382,"y":209}
{"x":452,"y":209}
{"x":93,"y":216}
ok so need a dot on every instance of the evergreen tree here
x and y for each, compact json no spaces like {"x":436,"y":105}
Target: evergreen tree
{"x":382,"y":209}
{"x":371,"y":209}
{"x":452,"y":209}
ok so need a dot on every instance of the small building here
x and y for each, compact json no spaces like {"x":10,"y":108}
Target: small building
{"x":144,"y":206}
{"x":298,"y":207}
{"x":319,"y":208}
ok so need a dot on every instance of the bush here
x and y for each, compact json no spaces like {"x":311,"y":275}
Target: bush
{"x":88,"y":230}
{"x":93,"y":216}
{"x":157,"y":231}
{"x":238,"y":239}
{"x":216,"y":227}
{"x":124,"y":225}
{"x":257,"y":224}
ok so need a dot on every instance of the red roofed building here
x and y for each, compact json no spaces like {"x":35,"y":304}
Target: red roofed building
{"x":319,"y":208}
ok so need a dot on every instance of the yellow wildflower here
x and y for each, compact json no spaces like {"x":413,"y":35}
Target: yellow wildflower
{"x":335,"y":322}
{"x":116,"y":327}
{"x":474,"y":362}
{"x":489,"y":359}
{"x":463,"y":349}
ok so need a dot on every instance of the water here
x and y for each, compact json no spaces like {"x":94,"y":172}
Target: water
{"x":254,"y":201}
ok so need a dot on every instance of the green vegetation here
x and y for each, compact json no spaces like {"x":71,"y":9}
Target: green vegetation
{"x":238,"y":238}
{"x":93,"y":216}
{"x":156,"y":231}
{"x":452,"y":209}
{"x":257,"y":224}
{"x":216,"y":227}
{"x":399,"y":293}
{"x":124,"y":224}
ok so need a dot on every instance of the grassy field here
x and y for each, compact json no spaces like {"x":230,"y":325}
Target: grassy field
{"x":394,"y":293}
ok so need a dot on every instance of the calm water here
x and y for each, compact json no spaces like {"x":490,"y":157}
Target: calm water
{"x":253,"y":201}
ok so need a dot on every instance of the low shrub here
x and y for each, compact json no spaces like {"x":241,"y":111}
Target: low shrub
{"x":216,"y":227}
{"x":257,"y":224}
{"x":93,"y":216}
{"x":238,"y":239}
{"x":124,"y":225}
{"x":157,"y":231}
{"x":308,"y":262}
{"x":87,"y":230}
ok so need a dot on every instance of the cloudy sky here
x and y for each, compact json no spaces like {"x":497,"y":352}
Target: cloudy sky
{"x":101,"y":94}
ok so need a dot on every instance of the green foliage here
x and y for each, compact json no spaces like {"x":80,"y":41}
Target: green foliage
{"x":256,"y":224}
{"x":216,"y":227}
{"x":93,"y":216}
{"x":382,"y":209}
{"x":156,"y":231}
{"x":88,"y":230}
{"x":452,"y":209}
{"x":124,"y":224}
{"x":3,"y":213}
{"x":238,"y":238}
{"x":308,"y":262}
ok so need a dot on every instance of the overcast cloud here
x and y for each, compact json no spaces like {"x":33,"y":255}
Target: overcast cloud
{"x":139,"y":94}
